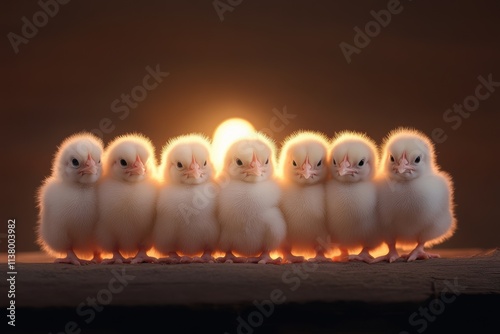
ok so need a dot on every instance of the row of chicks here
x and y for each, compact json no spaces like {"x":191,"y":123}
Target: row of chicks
{"x":320,"y":194}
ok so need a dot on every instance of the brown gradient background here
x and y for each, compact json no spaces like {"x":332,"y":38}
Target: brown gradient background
{"x":265,"y":55}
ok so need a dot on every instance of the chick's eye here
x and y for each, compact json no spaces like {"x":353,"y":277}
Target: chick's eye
{"x":392,"y":158}
{"x":319,"y":163}
{"x":267,"y":161}
{"x":294,"y":163}
{"x":75,"y":163}
{"x":417,"y":160}
{"x":334,"y":162}
{"x":205,"y":163}
{"x":361,"y":163}
{"x":239,"y":162}
{"x":179,"y":164}
{"x":123,"y":162}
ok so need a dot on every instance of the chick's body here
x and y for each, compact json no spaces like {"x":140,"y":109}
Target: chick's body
{"x":352,"y":214}
{"x":69,"y":215}
{"x":251,"y":220}
{"x":416,"y":210}
{"x":126,"y":215}
{"x":68,"y":200}
{"x":188,"y":226}
{"x":304,"y":211}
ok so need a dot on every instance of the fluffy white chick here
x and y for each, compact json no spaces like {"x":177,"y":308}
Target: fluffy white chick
{"x":68,"y":199}
{"x":415,"y":197}
{"x":127,"y":198}
{"x":251,"y":221}
{"x":351,"y":195}
{"x":303,"y":171}
{"x":185,"y":214}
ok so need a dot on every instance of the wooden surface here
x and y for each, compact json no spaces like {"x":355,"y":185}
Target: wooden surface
{"x":348,"y":297}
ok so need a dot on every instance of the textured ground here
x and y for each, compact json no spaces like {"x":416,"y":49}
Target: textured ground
{"x":460,"y":290}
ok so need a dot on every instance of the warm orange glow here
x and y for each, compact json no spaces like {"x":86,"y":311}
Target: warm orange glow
{"x":225,"y":134}
{"x":379,"y":251}
{"x":382,"y":250}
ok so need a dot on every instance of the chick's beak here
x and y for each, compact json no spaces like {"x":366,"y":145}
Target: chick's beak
{"x":403,"y":165}
{"x":345,"y":167}
{"x":90,"y":166}
{"x":255,"y":167}
{"x":193,"y":170}
{"x":137,"y":168}
{"x":306,"y":169}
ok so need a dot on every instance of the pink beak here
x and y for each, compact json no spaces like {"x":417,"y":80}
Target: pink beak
{"x":194,"y":169}
{"x":90,"y":166}
{"x":403,"y":165}
{"x":137,"y":168}
{"x":305,"y":170}
{"x":255,"y":167}
{"x":345,"y":167}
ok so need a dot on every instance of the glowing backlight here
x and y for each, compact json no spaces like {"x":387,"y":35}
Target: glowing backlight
{"x":225,"y":134}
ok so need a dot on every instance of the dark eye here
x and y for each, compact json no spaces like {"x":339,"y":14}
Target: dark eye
{"x":392,"y":158}
{"x":75,"y":163}
{"x":99,"y":161}
{"x":361,"y":163}
{"x":417,"y":160}
{"x":205,"y":163}
{"x":319,"y":163}
{"x":267,"y":161}
{"x":239,"y":162}
{"x":334,"y":162}
{"x":294,"y":163}
{"x":123,"y":163}
{"x":179,"y":165}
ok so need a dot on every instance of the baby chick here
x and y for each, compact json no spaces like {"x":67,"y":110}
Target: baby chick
{"x":303,"y":172}
{"x":351,"y":195}
{"x":416,"y":198}
{"x":127,"y":198}
{"x":251,"y":221}
{"x":185,"y":219}
{"x":68,"y":199}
